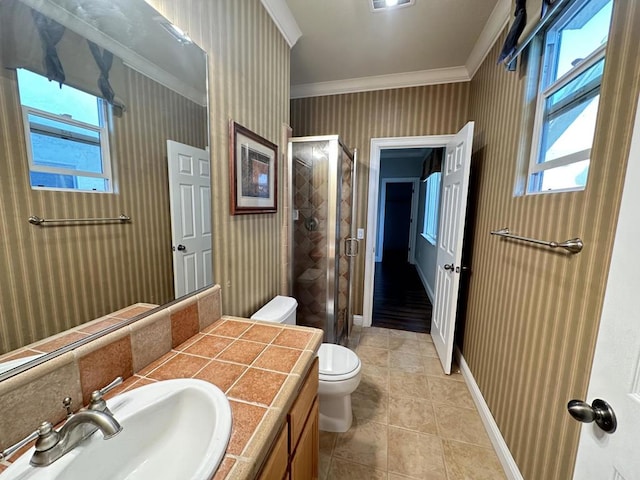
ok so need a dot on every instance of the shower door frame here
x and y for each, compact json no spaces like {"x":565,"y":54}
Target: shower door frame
{"x":334,"y":175}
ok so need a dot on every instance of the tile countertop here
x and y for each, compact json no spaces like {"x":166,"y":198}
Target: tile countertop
{"x":260,"y":367}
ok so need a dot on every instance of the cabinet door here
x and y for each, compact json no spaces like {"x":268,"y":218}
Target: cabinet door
{"x":304,"y":463}
{"x":276,"y":466}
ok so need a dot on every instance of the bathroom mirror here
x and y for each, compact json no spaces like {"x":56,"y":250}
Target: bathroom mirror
{"x":124,"y":81}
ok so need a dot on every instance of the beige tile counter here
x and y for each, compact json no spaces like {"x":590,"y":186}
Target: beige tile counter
{"x":259,"y":366}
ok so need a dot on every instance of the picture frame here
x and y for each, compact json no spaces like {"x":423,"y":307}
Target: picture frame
{"x":253,"y":172}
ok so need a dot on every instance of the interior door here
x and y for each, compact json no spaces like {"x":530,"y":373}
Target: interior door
{"x":190,"y":199}
{"x":455,"y":186}
{"x":615,"y":376}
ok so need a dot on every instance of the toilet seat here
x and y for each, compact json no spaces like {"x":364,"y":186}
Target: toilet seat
{"x":337,"y":363}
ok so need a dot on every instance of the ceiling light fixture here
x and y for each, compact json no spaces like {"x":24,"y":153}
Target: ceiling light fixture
{"x":382,"y":5}
{"x":176,"y":32}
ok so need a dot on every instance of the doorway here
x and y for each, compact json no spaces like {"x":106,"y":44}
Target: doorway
{"x":373,"y":261}
{"x":400,"y":299}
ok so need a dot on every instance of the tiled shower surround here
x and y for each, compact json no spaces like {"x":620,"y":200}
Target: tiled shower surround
{"x":310,"y":262}
{"x":310,"y":189}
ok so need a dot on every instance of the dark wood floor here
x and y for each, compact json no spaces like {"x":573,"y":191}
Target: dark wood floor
{"x":399,"y":299}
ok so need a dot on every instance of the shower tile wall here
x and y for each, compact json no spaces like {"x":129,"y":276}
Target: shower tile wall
{"x":310,"y":191}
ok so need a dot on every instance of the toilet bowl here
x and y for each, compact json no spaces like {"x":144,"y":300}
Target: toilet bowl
{"x":339,"y":369}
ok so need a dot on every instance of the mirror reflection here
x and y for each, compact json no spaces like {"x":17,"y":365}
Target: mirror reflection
{"x":90,"y":93}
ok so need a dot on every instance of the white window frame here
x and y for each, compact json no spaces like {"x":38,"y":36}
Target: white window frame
{"x":431,"y":208}
{"x":540,"y":106}
{"x":103,"y":135}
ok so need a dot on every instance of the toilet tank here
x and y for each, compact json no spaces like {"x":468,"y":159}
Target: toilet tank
{"x":280,"y":309}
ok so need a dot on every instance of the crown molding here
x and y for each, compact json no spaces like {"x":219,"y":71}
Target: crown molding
{"x":498,"y":19}
{"x":381,"y":82}
{"x":283,"y":18}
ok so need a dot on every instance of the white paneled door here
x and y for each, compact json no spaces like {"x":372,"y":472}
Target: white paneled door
{"x":190,"y":199}
{"x":453,"y":206}
{"x":615,"y":375}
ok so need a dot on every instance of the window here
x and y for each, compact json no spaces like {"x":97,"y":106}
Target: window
{"x":568,"y":95}
{"x":66,"y":136}
{"x":431,"y":208}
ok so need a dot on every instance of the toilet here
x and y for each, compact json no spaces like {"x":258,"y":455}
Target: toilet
{"x":340,"y":369}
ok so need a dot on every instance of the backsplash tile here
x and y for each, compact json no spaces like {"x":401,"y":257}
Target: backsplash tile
{"x":36,"y":395}
{"x":103,"y":360}
{"x":150,"y":339}
{"x":209,"y":307}
{"x":184,"y":321}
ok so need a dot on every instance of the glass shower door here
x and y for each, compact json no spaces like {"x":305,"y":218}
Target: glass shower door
{"x":346,"y":247}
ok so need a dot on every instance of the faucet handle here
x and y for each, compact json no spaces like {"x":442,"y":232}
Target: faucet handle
{"x":5,"y":454}
{"x":104,"y":390}
{"x":97,"y":402}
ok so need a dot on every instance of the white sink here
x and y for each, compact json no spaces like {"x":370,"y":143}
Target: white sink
{"x":175,"y":429}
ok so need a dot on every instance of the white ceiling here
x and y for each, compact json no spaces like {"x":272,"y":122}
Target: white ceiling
{"x":347,"y":47}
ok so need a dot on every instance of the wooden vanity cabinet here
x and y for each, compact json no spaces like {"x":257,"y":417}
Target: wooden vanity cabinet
{"x":295,"y":453}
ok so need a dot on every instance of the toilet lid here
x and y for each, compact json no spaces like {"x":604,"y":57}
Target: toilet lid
{"x":336,"y":360}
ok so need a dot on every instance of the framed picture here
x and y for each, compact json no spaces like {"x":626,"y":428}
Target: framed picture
{"x":252,"y":172}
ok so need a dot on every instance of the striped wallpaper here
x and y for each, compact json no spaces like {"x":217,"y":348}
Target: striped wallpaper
{"x":54,"y":278}
{"x":249,"y":83}
{"x":533,"y":314}
{"x":359,"y":117}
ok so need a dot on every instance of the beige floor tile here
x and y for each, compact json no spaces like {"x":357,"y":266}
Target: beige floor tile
{"x":378,"y":341}
{"x":377,"y":370}
{"x":403,"y":334}
{"x":404,"y":345}
{"x":465,"y":461}
{"x":460,"y":424}
{"x":413,"y":414}
{"x":403,"y":384}
{"x":424,"y":337}
{"x":416,"y":455}
{"x":344,"y":470}
{"x":373,"y":356}
{"x":395,"y":476}
{"x":450,"y":392}
{"x":433,"y":368}
{"x":365,"y":444}
{"x":405,"y":362}
{"x":327,"y":442}
{"x":370,"y":408}
{"x":377,"y":377}
{"x":323,"y":466}
{"x":427,"y":349}
{"x":375,"y":331}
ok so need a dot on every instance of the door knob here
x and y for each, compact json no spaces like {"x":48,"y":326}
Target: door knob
{"x":449,"y":266}
{"x":599,"y":411}
{"x":182,"y":248}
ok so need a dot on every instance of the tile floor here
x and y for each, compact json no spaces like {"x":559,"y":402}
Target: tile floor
{"x":411,"y":421}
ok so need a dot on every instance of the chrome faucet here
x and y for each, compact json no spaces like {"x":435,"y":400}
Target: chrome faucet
{"x":52,"y":444}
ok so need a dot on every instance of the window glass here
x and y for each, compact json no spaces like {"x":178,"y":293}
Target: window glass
{"x":576,"y":38}
{"x":568,"y":96}
{"x":67,"y":136}
{"x":38,"y":92}
{"x":432,"y":207}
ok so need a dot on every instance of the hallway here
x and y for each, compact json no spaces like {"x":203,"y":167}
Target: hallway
{"x":399,"y":298}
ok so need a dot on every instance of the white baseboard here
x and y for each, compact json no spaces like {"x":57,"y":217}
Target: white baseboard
{"x":358,"y":320}
{"x":509,"y":465}
{"x":423,"y":278}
